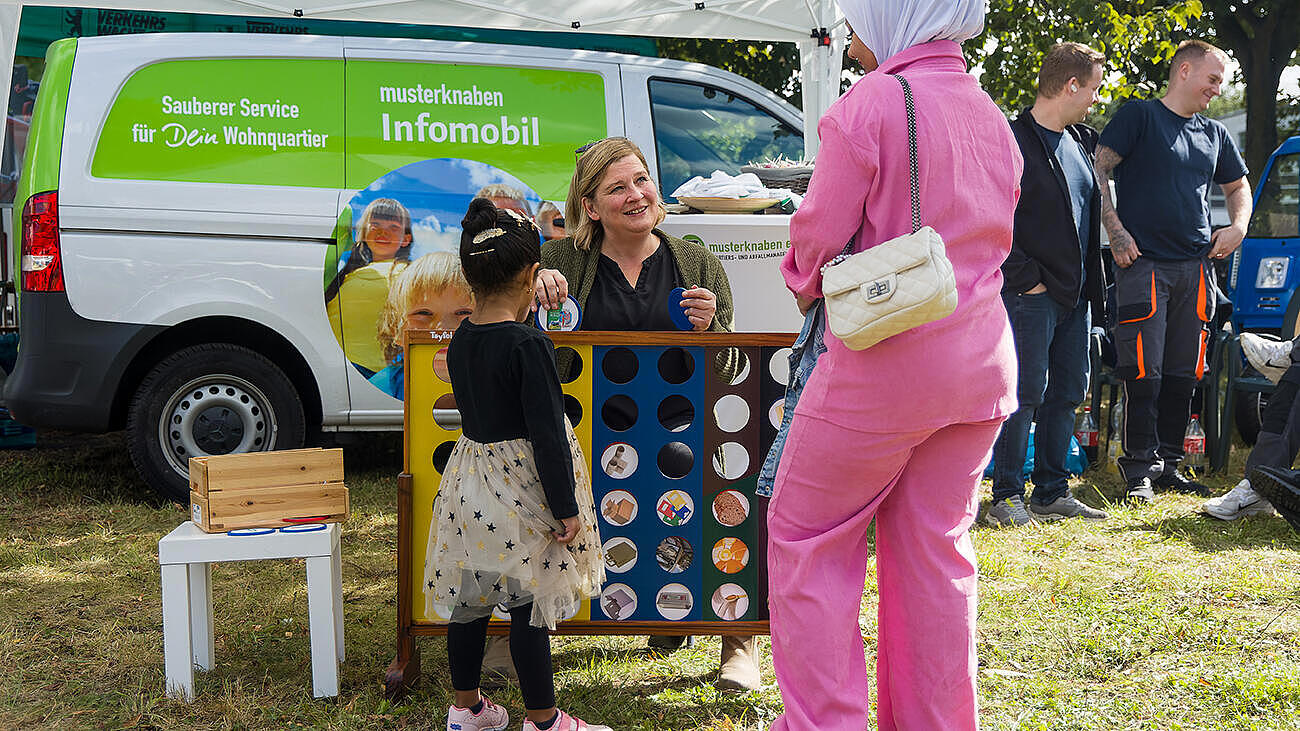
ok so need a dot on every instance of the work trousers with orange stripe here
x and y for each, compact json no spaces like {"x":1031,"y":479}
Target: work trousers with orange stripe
{"x":1161,"y":333}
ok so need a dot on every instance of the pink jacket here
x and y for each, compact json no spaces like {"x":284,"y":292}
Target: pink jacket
{"x":961,"y":368}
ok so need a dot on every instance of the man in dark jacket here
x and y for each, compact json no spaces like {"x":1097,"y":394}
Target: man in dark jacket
{"x":1051,"y":279}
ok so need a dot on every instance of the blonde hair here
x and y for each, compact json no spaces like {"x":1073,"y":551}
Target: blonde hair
{"x":501,"y":190}
{"x":430,"y":274}
{"x":592,"y":164}
{"x":1192,"y":51}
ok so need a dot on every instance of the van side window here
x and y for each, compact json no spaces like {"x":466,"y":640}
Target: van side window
{"x":1277,"y":216}
{"x":699,"y":129}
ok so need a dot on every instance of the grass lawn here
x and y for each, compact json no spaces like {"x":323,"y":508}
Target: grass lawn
{"x":1158,"y":618}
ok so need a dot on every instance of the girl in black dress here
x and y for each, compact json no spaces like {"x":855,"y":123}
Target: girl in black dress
{"x":513,"y":522}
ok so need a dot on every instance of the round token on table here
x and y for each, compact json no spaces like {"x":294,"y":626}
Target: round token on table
{"x":565,"y":318}
{"x":303,"y":528}
{"x":250,"y":531}
{"x":676,"y":312}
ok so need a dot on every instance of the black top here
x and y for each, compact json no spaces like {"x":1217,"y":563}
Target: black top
{"x":506,"y":387}
{"x":615,"y":305}
{"x":1045,"y":244}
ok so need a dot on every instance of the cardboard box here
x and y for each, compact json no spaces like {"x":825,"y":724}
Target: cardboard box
{"x":267,"y":489}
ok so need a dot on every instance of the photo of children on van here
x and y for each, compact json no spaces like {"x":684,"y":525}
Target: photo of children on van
{"x":430,"y":294}
{"x":376,"y":282}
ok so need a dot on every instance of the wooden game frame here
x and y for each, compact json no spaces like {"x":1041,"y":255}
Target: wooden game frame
{"x":404,"y":670}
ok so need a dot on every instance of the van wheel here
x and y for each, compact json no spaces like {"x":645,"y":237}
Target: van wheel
{"x":209,"y":399}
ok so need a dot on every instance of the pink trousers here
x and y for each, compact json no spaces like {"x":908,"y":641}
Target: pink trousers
{"x":920,"y":488}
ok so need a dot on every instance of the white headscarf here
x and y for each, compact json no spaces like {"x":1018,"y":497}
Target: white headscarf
{"x":888,"y":27}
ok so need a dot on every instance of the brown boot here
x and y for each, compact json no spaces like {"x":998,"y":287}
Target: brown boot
{"x":739,"y":665}
{"x":498,"y":667}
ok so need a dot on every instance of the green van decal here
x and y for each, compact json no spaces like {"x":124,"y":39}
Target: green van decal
{"x":526,"y":121}
{"x":249,"y":121}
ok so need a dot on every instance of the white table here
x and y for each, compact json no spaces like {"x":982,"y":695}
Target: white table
{"x":186,"y":556}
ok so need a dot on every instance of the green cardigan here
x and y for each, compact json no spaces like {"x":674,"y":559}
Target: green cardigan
{"x":697,"y":265}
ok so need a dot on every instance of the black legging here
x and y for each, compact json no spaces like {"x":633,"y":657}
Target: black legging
{"x":530,"y":648}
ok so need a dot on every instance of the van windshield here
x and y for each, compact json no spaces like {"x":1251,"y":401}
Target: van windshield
{"x":699,"y":129}
{"x":1277,"y":215}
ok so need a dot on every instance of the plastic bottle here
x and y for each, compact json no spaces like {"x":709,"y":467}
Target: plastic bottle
{"x":1086,"y":432}
{"x":1194,"y":447}
{"x":1114,"y":449}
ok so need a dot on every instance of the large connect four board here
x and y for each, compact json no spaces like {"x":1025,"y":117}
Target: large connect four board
{"x":674,"y":428}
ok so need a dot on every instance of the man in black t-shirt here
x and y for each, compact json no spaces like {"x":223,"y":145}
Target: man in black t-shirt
{"x":1164,"y":155}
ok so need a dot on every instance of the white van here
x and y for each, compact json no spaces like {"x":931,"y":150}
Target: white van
{"x":188,"y":202}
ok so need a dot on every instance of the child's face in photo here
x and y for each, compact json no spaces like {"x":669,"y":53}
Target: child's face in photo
{"x":439,"y":310}
{"x":385,"y":237}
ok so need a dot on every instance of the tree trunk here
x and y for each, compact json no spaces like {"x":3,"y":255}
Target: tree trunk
{"x":1262,"y":36}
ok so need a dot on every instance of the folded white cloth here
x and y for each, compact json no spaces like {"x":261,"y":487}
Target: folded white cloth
{"x":722,"y":185}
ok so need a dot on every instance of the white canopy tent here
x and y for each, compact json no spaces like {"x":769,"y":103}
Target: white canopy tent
{"x":812,"y":24}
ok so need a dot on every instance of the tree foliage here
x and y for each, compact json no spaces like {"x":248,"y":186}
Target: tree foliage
{"x":773,"y":66}
{"x":1137,"y":36}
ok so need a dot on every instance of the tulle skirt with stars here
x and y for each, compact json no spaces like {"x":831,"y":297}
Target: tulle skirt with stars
{"x":491,"y":540}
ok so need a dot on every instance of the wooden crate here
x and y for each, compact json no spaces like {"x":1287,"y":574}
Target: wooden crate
{"x":267,"y":489}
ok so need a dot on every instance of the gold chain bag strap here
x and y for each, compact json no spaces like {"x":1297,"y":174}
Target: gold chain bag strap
{"x":893,"y":286}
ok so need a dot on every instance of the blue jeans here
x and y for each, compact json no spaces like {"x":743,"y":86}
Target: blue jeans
{"x":1052,"y":353}
{"x":807,"y":348}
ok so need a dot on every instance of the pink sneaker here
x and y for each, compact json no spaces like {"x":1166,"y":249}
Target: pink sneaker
{"x":568,"y":723}
{"x":489,"y":718}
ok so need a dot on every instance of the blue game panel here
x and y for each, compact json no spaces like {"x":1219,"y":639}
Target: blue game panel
{"x":647,"y":435}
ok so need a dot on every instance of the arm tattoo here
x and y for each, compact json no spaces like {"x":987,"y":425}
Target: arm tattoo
{"x":1107,"y":160}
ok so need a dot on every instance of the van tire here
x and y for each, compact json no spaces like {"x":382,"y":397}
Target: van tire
{"x":251,"y":406}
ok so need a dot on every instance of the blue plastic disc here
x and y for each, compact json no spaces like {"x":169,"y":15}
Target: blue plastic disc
{"x":676,"y":312}
{"x":250,"y":531}
{"x":303,"y":528}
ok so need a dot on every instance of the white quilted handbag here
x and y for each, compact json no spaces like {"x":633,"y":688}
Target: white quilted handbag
{"x":893,"y":286}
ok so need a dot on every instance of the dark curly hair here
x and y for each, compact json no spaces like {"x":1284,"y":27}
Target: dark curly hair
{"x":495,"y":245}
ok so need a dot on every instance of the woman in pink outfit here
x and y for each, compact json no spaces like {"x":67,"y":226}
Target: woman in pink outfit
{"x":899,"y":432}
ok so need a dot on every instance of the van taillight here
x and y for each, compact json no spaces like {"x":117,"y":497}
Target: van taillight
{"x":42,"y":265}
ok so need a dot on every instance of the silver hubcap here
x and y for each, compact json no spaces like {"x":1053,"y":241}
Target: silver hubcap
{"x":215,"y":414}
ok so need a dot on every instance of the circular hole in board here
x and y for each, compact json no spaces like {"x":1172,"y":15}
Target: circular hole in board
{"x":676,"y":366}
{"x":441,"y":454}
{"x":619,"y":412}
{"x":731,"y":461}
{"x":675,"y":460}
{"x":575,"y":367}
{"x":445,"y":413}
{"x":619,"y":365}
{"x":731,"y":412}
{"x":676,"y":413}
{"x":731,"y":366}
{"x":779,"y":366}
{"x":440,"y":366}
{"x":573,"y":410}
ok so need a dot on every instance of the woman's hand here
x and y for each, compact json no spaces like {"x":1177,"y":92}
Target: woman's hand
{"x":569,"y":530}
{"x":804,"y":303}
{"x":551,"y":289}
{"x":699,"y":304}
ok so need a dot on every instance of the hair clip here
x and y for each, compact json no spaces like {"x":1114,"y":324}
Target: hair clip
{"x":486,"y":234}
{"x":482,"y":251}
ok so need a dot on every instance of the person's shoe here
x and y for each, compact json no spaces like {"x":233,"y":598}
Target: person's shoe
{"x":739,"y":665}
{"x":1240,"y":502}
{"x":1008,"y":512}
{"x":1066,"y":506}
{"x":490,"y":717}
{"x":568,"y":723}
{"x":1282,"y":489}
{"x":1270,"y":356}
{"x":1174,"y":481}
{"x":671,"y":643}
{"x":498,"y":666}
{"x":1140,"y":492}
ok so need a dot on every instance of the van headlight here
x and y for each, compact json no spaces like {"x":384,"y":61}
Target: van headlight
{"x":1272,"y":272}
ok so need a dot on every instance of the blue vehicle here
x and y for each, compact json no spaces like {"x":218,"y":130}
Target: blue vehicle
{"x":1264,"y":272}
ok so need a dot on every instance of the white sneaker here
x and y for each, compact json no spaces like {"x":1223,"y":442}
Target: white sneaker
{"x":1268,"y":355}
{"x":568,"y":723}
{"x":490,"y":717}
{"x":1239,"y":502}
